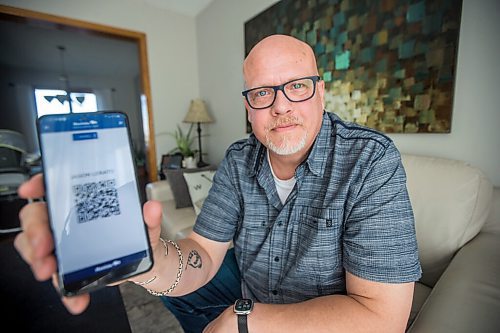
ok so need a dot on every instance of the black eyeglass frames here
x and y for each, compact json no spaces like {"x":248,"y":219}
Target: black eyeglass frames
{"x":297,"y":90}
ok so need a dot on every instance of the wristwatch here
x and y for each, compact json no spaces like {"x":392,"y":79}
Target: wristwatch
{"x":243,"y":307}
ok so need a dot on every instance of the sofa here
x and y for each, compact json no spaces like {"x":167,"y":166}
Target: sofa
{"x":457,"y":221}
{"x":176,"y":194}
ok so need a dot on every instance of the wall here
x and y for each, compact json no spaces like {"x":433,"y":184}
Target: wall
{"x":475,"y":135}
{"x":221,"y":49}
{"x":202,"y":57}
{"x":171,"y":42}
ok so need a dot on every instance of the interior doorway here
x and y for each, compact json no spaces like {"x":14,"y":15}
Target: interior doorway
{"x":109,"y":62}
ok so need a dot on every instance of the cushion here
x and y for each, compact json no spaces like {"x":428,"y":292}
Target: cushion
{"x":467,"y":297}
{"x":450,"y":200}
{"x":420,"y":294}
{"x":179,"y":187}
{"x":176,"y":223}
{"x":199,"y":183}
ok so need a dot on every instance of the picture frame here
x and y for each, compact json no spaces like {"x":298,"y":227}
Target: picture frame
{"x":169,"y":162}
{"x":387,"y":64}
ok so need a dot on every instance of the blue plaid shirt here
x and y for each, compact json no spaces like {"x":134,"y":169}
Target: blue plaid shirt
{"x":349,"y":210}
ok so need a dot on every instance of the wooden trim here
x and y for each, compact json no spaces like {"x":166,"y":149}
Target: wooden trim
{"x":64,"y":23}
{"x":146,"y":87}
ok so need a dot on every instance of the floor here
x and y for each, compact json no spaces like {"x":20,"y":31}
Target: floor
{"x":35,"y":307}
{"x":107,"y":312}
{"x":146,"y":313}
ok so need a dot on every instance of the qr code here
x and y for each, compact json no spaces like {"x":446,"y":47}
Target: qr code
{"x":96,"y":200}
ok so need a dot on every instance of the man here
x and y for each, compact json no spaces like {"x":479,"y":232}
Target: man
{"x":317,"y":210}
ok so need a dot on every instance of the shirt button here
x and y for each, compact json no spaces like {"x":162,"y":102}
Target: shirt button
{"x":275,"y":292}
{"x":280,"y":224}
{"x":276,"y":259}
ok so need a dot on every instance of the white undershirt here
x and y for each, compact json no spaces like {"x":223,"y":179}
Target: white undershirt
{"x":284,"y":187}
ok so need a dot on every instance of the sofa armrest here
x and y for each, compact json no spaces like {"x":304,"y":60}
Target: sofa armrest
{"x":467,"y":296}
{"x":176,"y":223}
{"x":159,"y":190}
{"x":492,"y":224}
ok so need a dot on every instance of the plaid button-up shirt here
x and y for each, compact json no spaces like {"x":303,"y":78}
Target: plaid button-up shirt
{"x":349,"y":210}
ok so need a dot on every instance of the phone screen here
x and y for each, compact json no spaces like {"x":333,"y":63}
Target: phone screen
{"x":93,"y":200}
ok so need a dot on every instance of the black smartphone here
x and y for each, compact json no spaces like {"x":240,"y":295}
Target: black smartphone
{"x":93,"y":200}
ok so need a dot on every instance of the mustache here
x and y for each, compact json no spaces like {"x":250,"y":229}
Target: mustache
{"x":285,"y":121}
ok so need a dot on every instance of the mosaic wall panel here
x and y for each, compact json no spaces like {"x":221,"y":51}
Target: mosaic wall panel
{"x":387,"y":64}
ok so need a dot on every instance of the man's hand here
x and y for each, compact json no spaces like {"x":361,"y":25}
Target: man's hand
{"x":36,"y":245}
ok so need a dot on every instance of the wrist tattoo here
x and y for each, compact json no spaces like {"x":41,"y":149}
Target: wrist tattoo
{"x":194,"y":259}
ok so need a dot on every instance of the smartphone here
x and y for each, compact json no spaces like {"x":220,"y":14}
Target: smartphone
{"x":93,"y":201}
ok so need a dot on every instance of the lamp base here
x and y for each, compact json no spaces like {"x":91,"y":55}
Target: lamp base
{"x":201,"y":164}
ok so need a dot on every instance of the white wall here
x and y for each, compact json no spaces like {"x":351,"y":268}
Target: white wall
{"x":221,"y":49}
{"x":172,"y":54}
{"x":475,"y":135}
{"x":190,"y":58}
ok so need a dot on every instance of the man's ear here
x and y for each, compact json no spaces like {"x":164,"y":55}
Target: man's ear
{"x":320,"y":86}
{"x":249,"y":111}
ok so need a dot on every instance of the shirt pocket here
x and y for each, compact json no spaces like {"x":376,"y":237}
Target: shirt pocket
{"x":319,"y":243}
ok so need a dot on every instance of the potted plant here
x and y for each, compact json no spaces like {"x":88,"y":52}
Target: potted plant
{"x":184,"y":142}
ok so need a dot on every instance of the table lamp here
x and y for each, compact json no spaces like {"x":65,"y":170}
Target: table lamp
{"x":198,"y":114}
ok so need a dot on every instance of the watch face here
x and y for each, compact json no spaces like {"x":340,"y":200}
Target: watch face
{"x":243,"y":306}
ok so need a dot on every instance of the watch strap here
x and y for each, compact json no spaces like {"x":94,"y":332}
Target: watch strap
{"x":242,"y":323}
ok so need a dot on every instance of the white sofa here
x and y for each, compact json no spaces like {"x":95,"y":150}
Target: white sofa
{"x":458,"y":237}
{"x":177,"y":223}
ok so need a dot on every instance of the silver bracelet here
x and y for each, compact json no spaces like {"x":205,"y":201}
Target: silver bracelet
{"x":179,"y":272}
{"x":154,"y":277}
{"x":146,"y":282}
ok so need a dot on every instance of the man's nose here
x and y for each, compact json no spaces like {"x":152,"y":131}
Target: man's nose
{"x":281,"y":103}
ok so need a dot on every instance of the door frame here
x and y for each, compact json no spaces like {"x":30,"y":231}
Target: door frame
{"x":65,"y":23}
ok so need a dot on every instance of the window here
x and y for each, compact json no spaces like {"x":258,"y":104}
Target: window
{"x":51,"y":101}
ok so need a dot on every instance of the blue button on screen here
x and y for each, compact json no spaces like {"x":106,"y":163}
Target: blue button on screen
{"x":84,"y":136}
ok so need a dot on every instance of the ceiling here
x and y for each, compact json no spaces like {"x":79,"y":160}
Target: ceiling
{"x":186,"y":7}
{"x":35,"y":48}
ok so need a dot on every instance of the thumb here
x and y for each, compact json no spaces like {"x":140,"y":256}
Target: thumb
{"x":152,"y":211}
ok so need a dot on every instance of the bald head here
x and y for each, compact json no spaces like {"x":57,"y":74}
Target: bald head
{"x":274,"y":53}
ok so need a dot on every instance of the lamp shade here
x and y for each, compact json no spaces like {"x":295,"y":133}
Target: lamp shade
{"x":198,"y":112}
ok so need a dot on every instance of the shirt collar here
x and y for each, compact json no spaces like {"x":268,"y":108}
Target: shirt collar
{"x":257,"y":158}
{"x":316,"y":161}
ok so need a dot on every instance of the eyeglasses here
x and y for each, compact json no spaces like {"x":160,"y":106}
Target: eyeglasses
{"x":297,"y":90}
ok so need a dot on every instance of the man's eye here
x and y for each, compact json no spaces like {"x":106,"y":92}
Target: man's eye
{"x":297,"y":85}
{"x":260,"y":93}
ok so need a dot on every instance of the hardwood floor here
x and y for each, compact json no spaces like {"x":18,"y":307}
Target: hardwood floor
{"x":146,"y":313}
{"x":33,"y":306}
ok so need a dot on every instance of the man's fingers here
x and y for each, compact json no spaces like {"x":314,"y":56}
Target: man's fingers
{"x":152,"y":216}
{"x":33,"y":188}
{"x":35,"y":225}
{"x":74,"y":304}
{"x":23,"y":247}
{"x":43,"y":268}
{"x":35,"y":244}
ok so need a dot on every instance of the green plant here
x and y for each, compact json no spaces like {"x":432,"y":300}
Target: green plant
{"x":139,"y":154}
{"x":183,"y":141}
